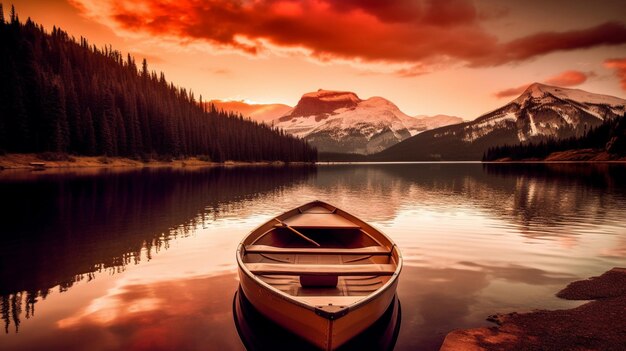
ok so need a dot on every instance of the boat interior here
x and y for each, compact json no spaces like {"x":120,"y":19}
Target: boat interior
{"x":320,"y":256}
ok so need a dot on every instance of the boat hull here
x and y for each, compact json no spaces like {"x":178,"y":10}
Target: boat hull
{"x":277,"y":260}
{"x":257,"y":332}
{"x":327,"y":334}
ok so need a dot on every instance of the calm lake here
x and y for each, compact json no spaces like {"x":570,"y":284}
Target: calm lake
{"x":145,"y":259}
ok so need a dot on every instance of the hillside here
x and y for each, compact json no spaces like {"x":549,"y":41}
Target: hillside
{"x":62,"y":95}
{"x":541,"y":112}
{"x":605,"y":142}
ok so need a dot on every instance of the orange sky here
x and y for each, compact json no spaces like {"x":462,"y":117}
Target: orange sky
{"x":455,"y":57}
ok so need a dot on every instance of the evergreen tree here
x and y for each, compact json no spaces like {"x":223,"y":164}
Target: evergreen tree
{"x":57,"y":94}
{"x":106,"y":138}
{"x":56,"y":129}
{"x":610,"y":136}
{"x":88,"y":146}
{"x":14,"y":18}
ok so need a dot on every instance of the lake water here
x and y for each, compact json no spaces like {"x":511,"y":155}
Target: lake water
{"x":145,"y":259}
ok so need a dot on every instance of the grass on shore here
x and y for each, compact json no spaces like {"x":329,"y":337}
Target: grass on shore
{"x":55,"y":160}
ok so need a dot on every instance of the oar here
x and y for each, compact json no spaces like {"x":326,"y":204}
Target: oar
{"x":297,"y":232}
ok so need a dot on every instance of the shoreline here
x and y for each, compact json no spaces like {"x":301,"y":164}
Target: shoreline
{"x":37,"y":162}
{"x":576,"y":155}
{"x":27,"y":161}
{"x":598,"y":324}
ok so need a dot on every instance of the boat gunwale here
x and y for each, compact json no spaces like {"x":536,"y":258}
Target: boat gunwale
{"x":328,"y":315}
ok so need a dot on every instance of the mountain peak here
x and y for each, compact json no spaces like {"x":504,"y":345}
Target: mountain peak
{"x":340,"y":121}
{"x":537,"y":85}
{"x":537,"y":90}
{"x":541,"y":91}
{"x":324,"y":102}
{"x":332,"y":95}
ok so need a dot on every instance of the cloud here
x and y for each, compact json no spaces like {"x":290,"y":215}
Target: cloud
{"x":610,"y":33}
{"x":511,"y":91}
{"x":220,"y":71}
{"x":619,"y":65}
{"x":567,"y":78}
{"x":563,"y":79}
{"x":410,"y":32}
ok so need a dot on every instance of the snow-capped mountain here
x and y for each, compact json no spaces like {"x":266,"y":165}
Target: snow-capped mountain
{"x":547,"y":111}
{"x":337,"y":121}
{"x":540,"y":112}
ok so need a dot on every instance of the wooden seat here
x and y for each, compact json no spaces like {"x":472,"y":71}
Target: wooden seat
{"x":329,"y":300}
{"x":320,"y":221}
{"x":321,"y":269}
{"x":369,"y":250}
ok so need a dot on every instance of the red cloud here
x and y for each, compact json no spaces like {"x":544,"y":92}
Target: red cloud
{"x":567,"y":79}
{"x":511,"y":91}
{"x":402,"y":31}
{"x":563,"y":79}
{"x":610,"y":33}
{"x":619,"y":64}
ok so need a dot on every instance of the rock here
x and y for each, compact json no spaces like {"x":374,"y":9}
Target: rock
{"x":596,"y":325}
{"x":609,"y":284}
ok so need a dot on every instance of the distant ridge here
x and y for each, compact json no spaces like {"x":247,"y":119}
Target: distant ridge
{"x":539,"y":113}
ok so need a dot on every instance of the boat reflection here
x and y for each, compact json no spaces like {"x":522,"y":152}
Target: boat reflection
{"x":259,"y":333}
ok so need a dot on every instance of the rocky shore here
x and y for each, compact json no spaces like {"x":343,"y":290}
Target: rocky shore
{"x":596,"y":325}
{"x":578,"y":155}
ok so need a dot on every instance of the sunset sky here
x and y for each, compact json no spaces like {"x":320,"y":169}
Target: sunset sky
{"x":457,"y":57}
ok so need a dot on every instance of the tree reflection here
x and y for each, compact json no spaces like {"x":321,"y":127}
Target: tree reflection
{"x":61,"y":228}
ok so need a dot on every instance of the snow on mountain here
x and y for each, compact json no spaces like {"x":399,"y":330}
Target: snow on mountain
{"x":436,"y":121}
{"x":547,"y":111}
{"x":543,"y":93}
{"x":540,"y":112}
{"x":336,"y":121}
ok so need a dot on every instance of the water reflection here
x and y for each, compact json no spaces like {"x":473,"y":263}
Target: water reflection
{"x":184,"y":314}
{"x":61,"y":227}
{"x":534,"y":197}
{"x":477,"y":239}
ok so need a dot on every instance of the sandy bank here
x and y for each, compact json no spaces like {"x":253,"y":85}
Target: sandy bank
{"x":596,"y":325}
{"x":32,"y":161}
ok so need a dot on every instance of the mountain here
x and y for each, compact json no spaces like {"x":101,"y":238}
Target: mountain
{"x":539,"y":113}
{"x":437,"y":121}
{"x":257,"y":112}
{"x":64,"y":96}
{"x":341,"y":122}
{"x":602,"y":143}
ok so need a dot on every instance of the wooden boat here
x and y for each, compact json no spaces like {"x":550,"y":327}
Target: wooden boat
{"x":259,"y":333}
{"x":319,"y":272}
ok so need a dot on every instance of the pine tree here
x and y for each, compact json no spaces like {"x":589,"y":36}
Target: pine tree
{"x":14,"y":19}
{"x":56,"y":128}
{"x":46,"y":80}
{"x":72,"y":110}
{"x":121,"y":133}
{"x":106,"y":138}
{"x":89,"y":141}
{"x":15,"y":115}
